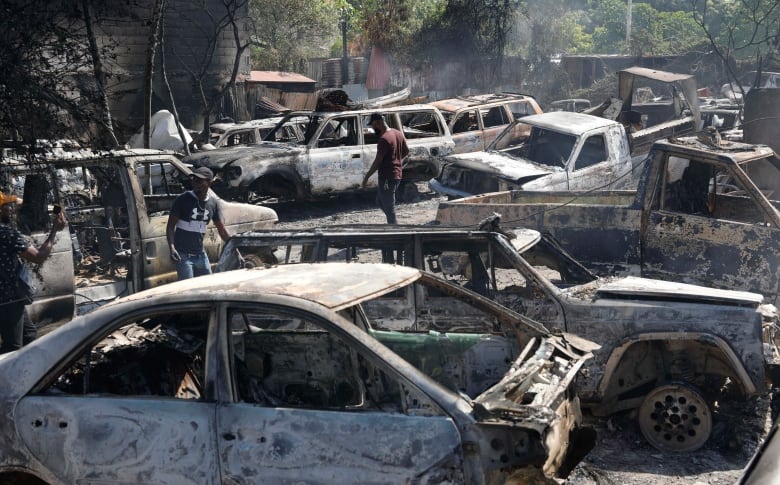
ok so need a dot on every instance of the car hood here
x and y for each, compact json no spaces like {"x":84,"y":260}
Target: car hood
{"x":219,"y":158}
{"x":542,"y":374}
{"x":499,"y":164}
{"x":633,"y":287}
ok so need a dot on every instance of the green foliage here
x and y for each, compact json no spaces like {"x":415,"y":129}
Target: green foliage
{"x":289,"y":32}
{"x":662,"y":33}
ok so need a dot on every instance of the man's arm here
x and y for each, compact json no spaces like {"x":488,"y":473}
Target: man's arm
{"x":381,"y":149}
{"x":170,"y":228}
{"x":40,"y":254}
{"x":221,"y":230}
{"x":374,"y":168}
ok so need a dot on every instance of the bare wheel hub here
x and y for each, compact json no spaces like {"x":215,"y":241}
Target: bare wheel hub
{"x":675,"y":418}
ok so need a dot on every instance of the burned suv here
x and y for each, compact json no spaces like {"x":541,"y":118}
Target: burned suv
{"x":476,"y":120}
{"x":329,"y":154}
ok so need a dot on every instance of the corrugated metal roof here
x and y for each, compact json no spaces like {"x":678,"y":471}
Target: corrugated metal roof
{"x":278,"y":77}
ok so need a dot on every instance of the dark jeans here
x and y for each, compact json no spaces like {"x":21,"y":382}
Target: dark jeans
{"x":29,"y":330}
{"x":385,"y":198}
{"x":11,"y":326}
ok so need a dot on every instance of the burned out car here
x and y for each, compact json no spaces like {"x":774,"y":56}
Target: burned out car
{"x":230,"y":134}
{"x":116,"y":204}
{"x":329,"y":154}
{"x":476,"y":120}
{"x":564,"y":151}
{"x":658,"y":339}
{"x":277,"y":376}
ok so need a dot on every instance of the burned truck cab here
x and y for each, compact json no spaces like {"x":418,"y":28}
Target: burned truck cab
{"x":116,"y":204}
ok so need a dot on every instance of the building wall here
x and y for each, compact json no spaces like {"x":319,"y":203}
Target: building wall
{"x":193,"y":45}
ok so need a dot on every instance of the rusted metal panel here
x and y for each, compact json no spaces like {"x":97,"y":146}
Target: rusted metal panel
{"x":82,"y":437}
{"x":341,"y":446}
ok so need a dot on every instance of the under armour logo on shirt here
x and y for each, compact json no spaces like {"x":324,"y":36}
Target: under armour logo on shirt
{"x":199,"y":214}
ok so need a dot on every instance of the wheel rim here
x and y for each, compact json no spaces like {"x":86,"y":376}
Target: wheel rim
{"x":252,"y":261}
{"x":675,"y":417}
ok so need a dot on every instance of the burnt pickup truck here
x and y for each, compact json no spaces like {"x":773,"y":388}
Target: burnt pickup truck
{"x":563,"y":151}
{"x":116,"y":204}
{"x":703,"y":213}
{"x":656,"y":338}
{"x":327,"y":154}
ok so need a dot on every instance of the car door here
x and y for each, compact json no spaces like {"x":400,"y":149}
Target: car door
{"x":494,"y":120}
{"x":132,"y":408}
{"x":310,"y":407}
{"x":467,"y":132}
{"x":592,"y":167}
{"x":689,"y":238}
{"x":335,"y":156}
{"x":53,"y":279}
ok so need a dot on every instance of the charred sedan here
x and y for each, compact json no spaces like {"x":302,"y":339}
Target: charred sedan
{"x":276,"y":376}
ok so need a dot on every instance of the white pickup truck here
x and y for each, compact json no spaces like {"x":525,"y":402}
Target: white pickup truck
{"x":564,"y":151}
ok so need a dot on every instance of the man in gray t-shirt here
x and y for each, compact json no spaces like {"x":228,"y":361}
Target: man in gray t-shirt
{"x":187,"y":224}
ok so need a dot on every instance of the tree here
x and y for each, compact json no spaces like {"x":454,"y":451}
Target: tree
{"x":44,"y":92}
{"x":743,"y":32}
{"x":473,"y":32}
{"x":224,"y":19}
{"x":289,"y":32}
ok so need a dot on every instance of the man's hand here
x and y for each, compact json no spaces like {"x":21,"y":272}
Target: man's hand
{"x":175,"y":255}
{"x":365,"y":181}
{"x":59,"y":222}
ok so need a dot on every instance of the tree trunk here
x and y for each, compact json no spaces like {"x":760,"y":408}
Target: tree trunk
{"x":175,"y":112}
{"x":108,"y":136}
{"x":154,"y":36}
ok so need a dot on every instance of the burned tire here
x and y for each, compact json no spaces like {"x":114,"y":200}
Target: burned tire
{"x":407,"y":192}
{"x":259,"y":260}
{"x":675,"y":417}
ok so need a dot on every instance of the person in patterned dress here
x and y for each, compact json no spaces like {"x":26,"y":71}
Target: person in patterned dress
{"x":14,"y":248}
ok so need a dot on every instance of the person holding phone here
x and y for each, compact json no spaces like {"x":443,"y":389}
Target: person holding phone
{"x":14,"y":248}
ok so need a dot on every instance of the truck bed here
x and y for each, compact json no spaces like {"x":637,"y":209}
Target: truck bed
{"x":506,"y":203}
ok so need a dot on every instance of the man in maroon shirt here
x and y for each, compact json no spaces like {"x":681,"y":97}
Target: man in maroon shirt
{"x":391,"y":149}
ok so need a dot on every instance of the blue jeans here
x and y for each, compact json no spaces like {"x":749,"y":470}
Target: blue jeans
{"x":193,"y":264}
{"x":385,"y":198}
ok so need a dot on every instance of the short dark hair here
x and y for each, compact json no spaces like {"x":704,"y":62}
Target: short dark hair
{"x":375,"y":117}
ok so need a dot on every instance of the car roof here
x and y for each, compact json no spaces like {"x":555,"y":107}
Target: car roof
{"x":454,"y":104}
{"x":333,"y":285}
{"x":385,"y":110}
{"x":728,"y":153}
{"x":567,"y":121}
{"x":262,"y":122}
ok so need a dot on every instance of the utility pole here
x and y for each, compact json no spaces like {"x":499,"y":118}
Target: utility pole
{"x":628,"y":27}
{"x":345,"y":57}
